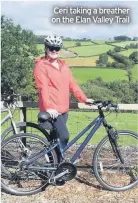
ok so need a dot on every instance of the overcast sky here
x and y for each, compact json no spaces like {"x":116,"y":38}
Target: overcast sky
{"x":36,"y":16}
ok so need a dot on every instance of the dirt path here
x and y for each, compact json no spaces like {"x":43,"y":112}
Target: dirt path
{"x":76,"y":191}
{"x":83,"y":189}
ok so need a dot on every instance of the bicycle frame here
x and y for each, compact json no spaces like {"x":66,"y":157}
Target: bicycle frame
{"x":7,"y":117}
{"x":95,"y":124}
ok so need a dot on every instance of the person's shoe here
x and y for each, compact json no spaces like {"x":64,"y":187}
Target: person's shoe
{"x":60,"y":182}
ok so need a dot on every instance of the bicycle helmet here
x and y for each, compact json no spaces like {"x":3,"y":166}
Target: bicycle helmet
{"x":53,"y":40}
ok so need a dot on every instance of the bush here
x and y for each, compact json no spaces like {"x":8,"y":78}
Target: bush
{"x":134,"y":56}
{"x":109,"y":64}
{"x":117,"y":91}
{"x":78,"y":44}
{"x":117,"y":49}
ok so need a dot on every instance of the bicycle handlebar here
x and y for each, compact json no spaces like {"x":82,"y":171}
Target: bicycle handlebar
{"x":108,"y":104}
{"x":10,"y":97}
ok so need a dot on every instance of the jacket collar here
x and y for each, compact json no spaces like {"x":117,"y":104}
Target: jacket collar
{"x":45,"y":61}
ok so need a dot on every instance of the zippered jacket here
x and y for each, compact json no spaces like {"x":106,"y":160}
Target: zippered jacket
{"x":55,"y":85}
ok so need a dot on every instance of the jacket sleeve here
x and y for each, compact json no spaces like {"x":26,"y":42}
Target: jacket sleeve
{"x":75,"y":89}
{"x":41,"y":80}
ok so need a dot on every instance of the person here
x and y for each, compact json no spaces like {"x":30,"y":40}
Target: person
{"x":55,"y":81}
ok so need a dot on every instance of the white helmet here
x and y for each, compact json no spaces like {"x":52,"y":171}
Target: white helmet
{"x":53,"y":40}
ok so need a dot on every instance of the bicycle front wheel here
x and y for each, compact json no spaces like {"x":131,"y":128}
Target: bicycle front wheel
{"x":108,"y":169}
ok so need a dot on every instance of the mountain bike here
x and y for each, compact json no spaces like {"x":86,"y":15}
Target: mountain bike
{"x":35,"y":165}
{"x":9,"y":107}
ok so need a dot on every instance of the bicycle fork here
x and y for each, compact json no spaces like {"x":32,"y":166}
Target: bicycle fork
{"x":113,"y":136}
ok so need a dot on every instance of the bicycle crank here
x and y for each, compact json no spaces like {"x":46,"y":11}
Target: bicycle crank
{"x":65,"y":171}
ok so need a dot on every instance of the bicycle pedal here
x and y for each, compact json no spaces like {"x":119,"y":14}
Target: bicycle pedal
{"x":58,"y":176}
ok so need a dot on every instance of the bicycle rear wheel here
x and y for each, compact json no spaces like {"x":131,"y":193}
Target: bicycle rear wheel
{"x":28,"y":180}
{"x":108,"y":169}
{"x":27,"y":127}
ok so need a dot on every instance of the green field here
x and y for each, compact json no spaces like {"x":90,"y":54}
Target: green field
{"x":99,"y":41}
{"x":40,"y":47}
{"x":128,"y":52}
{"x":123,"y":44}
{"x":84,"y":74}
{"x":110,"y":59}
{"x":91,"y":50}
{"x":67,"y":44}
{"x":77,"y":121}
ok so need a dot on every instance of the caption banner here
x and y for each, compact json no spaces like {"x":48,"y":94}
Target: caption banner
{"x":83,"y":15}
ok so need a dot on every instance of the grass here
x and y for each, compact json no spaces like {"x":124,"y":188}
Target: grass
{"x":123,"y":44}
{"x":110,"y":59}
{"x":127,"y":52}
{"x":40,"y":47}
{"x":91,"y":50}
{"x":67,"y":44}
{"x":85,"y":61}
{"x":82,"y":61}
{"x":84,"y":74}
{"x":77,"y":121}
{"x":99,"y":41}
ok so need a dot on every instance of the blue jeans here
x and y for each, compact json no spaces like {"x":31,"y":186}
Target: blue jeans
{"x":60,"y":124}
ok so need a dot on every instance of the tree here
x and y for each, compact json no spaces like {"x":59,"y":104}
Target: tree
{"x":129,"y":74}
{"x":103,"y":59}
{"x":117,"y":49}
{"x":135,"y":38}
{"x":18,"y":48}
{"x":134,"y":56}
{"x":109,"y":64}
{"x":122,"y":38}
{"x":78,"y":44}
{"x":117,"y":91}
{"x":127,"y":47}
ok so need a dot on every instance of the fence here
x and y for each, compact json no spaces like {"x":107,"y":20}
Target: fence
{"x":80,"y":115}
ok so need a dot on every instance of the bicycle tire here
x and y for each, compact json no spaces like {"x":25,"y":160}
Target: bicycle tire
{"x":102,"y":157}
{"x":29,"y":136}
{"x":6,"y":133}
{"x":20,"y":125}
{"x":35,"y":128}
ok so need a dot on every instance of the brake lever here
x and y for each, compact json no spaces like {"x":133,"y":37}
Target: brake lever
{"x":117,"y":109}
{"x":108,"y":107}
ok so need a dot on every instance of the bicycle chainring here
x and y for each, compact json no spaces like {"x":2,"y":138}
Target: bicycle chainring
{"x":72,"y":171}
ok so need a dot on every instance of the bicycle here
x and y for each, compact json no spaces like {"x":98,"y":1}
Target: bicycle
{"x":10,"y":102}
{"x":114,"y":163}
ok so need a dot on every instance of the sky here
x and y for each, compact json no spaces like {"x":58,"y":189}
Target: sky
{"x":36,"y":16}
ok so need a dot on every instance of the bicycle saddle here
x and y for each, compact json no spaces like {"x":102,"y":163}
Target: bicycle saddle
{"x":43,"y":116}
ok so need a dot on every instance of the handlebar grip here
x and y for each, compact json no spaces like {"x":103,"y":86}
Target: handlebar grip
{"x":114,"y":105}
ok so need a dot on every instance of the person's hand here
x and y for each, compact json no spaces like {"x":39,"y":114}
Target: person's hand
{"x":89,"y":101}
{"x":53,"y":113}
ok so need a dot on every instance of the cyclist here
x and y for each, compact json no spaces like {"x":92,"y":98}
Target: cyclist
{"x":54,"y":81}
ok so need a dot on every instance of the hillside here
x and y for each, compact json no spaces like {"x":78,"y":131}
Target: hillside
{"x":85,"y":54}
